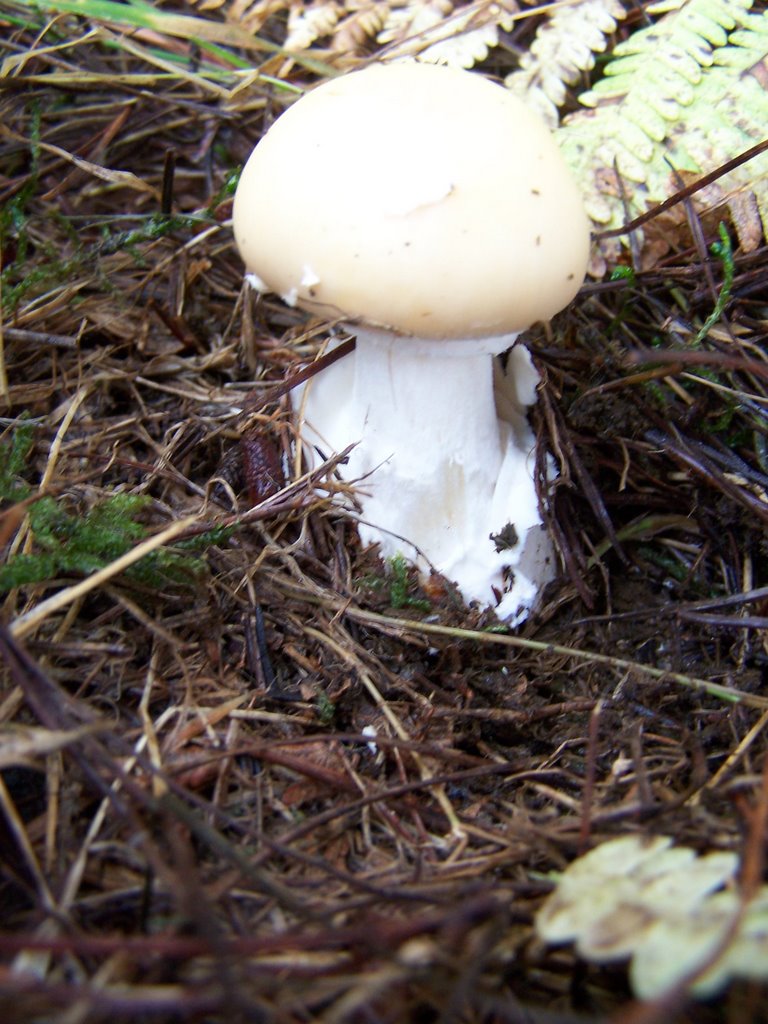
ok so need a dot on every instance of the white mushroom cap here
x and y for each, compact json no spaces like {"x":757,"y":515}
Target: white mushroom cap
{"x":416,"y":197}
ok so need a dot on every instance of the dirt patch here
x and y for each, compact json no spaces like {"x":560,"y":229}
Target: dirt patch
{"x":257,"y":774}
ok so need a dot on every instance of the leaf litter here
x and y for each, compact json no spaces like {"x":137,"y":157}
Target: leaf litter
{"x":295,"y":783}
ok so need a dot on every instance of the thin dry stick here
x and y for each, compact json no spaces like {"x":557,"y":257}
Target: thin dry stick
{"x":684,"y":193}
{"x":25,"y":624}
{"x":3,"y":374}
{"x":18,"y":830}
{"x":753,"y":862}
{"x":150,"y":735}
{"x":457,"y":830}
{"x":55,"y":447}
{"x":590,"y":776}
{"x":388,"y":623}
{"x":736,"y":755}
{"x":23,"y":537}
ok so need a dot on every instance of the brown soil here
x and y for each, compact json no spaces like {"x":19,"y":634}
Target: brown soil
{"x":194,"y":825}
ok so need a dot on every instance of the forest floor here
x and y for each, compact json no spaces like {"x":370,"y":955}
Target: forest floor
{"x":196,"y":823}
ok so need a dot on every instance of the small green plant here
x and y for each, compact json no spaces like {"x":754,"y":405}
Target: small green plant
{"x":150,"y":229}
{"x":14,"y":239}
{"x":722,"y":250}
{"x":21,"y":276}
{"x":13,"y":458}
{"x":67,"y":543}
{"x":396,"y":579}
{"x":326,"y":709}
{"x":399,"y":586}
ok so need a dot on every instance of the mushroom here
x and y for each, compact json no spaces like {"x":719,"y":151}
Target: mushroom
{"x":429,"y":210}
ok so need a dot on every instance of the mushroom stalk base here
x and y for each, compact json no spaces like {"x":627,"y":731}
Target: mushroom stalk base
{"x":438,"y":472}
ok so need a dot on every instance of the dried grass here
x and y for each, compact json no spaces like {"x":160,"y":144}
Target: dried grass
{"x":196,"y":822}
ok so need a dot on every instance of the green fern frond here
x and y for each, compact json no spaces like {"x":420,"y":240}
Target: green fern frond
{"x":680,"y":98}
{"x":459,"y":35}
{"x":563,"y":49}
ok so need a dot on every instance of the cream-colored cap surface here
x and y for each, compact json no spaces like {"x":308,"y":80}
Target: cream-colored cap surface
{"x":417,"y":197}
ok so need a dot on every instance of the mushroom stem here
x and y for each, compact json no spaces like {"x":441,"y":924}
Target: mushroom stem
{"x":438,"y":471}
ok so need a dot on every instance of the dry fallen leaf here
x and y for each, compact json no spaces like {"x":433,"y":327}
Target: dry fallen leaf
{"x":677,"y":915}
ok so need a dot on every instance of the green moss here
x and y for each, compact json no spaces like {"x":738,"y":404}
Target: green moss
{"x":326,"y":709}
{"x":13,"y":459}
{"x":399,"y":585}
{"x":67,"y":543}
